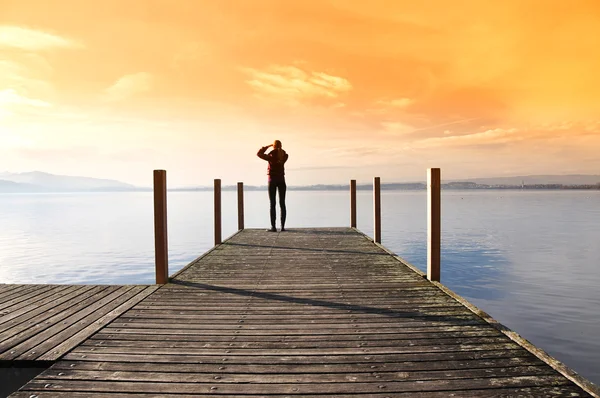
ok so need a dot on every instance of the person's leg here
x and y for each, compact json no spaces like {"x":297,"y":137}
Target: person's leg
{"x":272,"y":193}
{"x":282,"y":188}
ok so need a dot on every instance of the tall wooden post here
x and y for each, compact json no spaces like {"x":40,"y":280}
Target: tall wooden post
{"x":377,"y":209}
{"x":161,"y":251}
{"x":240,"y":197}
{"x":353,"y":203}
{"x":217,"y":191}
{"x":434,"y":224}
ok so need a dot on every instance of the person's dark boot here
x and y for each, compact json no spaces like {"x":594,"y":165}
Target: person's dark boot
{"x":283,"y":214}
{"x":273,"y":218}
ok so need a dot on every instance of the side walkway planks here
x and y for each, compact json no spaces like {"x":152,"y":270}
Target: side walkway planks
{"x":43,"y":322}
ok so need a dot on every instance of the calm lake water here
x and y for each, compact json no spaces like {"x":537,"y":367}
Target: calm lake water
{"x":531,"y":259}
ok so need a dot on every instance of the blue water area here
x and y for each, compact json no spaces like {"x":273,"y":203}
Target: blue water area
{"x":528,"y":258}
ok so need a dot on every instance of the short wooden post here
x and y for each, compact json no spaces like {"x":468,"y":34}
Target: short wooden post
{"x":240,"y":197}
{"x":161,"y":251}
{"x":217,"y":191}
{"x":434,"y":224}
{"x":353,"y":203}
{"x":377,"y":208}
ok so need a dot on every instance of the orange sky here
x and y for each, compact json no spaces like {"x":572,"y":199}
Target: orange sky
{"x":353,"y":89}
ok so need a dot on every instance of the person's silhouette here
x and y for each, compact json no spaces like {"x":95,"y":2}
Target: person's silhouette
{"x":276,"y":158}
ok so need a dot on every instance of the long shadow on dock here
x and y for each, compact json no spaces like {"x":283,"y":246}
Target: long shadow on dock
{"x":466,"y":319}
{"x":307,"y":249}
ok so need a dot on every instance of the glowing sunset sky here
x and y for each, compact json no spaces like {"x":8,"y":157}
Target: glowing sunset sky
{"x":353,"y":89}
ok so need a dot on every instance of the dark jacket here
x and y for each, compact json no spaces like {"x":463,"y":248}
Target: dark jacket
{"x":275,"y":169}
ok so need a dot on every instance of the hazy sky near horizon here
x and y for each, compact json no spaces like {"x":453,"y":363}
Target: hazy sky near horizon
{"x":353,"y":89}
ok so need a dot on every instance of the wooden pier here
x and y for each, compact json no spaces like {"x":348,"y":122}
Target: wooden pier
{"x":302,"y":313}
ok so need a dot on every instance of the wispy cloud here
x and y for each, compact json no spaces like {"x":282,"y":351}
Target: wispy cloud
{"x":129,"y":86}
{"x":397,"y":128}
{"x":593,"y":126}
{"x":33,"y":40}
{"x":10,"y":97}
{"x":487,"y":137}
{"x":292,"y":83}
{"x":555,"y":135}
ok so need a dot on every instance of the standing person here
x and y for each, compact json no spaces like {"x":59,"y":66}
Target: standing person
{"x":276,"y":158}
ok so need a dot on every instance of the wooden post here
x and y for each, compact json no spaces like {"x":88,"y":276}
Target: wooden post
{"x":161,"y":250}
{"x":377,"y":208}
{"x":353,"y":203}
{"x":434,"y":224}
{"x":217,"y":191}
{"x":240,"y":196}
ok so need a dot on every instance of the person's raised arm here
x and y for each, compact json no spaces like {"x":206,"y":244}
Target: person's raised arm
{"x":261,"y":152}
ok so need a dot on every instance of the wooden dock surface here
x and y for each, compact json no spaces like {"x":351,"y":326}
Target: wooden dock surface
{"x":43,"y":322}
{"x":306,"y":313}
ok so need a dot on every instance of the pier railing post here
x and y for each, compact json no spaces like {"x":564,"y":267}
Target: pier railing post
{"x":434,"y":224}
{"x":161,"y":251}
{"x":240,"y":197}
{"x":217,"y":191}
{"x":353,"y":203}
{"x":377,"y":209}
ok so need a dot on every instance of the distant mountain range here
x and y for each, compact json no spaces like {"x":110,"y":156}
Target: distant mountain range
{"x":37,"y":181}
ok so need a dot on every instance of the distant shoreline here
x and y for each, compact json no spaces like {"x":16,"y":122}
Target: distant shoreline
{"x":336,"y":188}
{"x":42,"y":182}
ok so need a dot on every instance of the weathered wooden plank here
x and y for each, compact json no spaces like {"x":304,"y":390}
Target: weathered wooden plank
{"x":200,"y":289}
{"x":546,"y":391}
{"x":288,"y":332}
{"x":218,"y":310}
{"x":445,"y":314}
{"x":294,"y":302}
{"x":444,"y":309}
{"x":405,"y":366}
{"x":264,"y":317}
{"x":261,"y":345}
{"x":455,"y":321}
{"x":363,"y":377}
{"x":299,"y":308}
{"x":316,"y":301}
{"x":301,"y":338}
{"x":413,"y":302}
{"x":299,"y":388}
{"x":297,"y":352}
{"x":364,"y":294}
{"x":328,"y":359}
